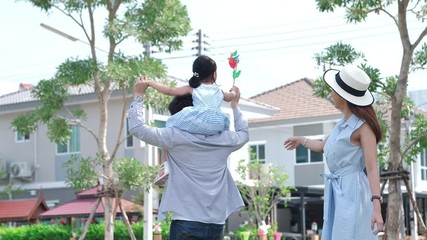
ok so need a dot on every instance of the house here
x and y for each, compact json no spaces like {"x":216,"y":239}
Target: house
{"x":22,"y":211}
{"x":82,"y":206}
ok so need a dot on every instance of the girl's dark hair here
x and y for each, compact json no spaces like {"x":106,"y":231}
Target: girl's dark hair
{"x":367,"y":114}
{"x":203,"y":67}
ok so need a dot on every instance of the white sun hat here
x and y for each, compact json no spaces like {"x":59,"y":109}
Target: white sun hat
{"x":351,"y":83}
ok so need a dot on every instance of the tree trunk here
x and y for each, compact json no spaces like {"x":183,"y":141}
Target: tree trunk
{"x":394,"y":214}
{"x":108,"y":206}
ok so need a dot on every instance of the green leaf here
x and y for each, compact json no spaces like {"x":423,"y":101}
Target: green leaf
{"x":80,"y":172}
{"x":77,"y":72}
{"x":236,"y":74}
{"x":58,"y":130}
{"x":132,"y":174}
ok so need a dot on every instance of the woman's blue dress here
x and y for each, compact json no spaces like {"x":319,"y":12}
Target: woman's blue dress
{"x":347,"y":208}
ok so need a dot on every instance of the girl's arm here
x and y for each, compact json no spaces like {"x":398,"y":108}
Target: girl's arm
{"x":228,"y":96}
{"x":171,"y":91}
{"x":369,"y":146}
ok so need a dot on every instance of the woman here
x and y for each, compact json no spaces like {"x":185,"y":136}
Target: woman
{"x":351,"y":197}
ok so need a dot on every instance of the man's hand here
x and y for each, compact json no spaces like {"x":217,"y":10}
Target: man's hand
{"x":235,"y":100}
{"x":140,"y":86}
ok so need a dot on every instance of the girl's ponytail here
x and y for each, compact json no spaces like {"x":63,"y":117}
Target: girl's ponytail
{"x":195,"y":80}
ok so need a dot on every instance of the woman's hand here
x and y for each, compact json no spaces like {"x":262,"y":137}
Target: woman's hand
{"x":377,"y":219}
{"x":293,"y":142}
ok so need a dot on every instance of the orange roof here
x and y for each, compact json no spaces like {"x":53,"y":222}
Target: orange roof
{"x":295,"y":101}
{"x":25,"y":86}
{"x":22,"y":209}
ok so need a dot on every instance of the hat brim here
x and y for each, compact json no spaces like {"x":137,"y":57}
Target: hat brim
{"x":365,"y":100}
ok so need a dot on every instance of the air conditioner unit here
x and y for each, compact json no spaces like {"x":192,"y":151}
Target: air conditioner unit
{"x":20,"y":169}
{"x":3,"y":169}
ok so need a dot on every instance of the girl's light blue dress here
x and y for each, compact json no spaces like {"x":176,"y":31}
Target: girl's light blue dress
{"x":348,"y":208}
{"x":205,"y":117}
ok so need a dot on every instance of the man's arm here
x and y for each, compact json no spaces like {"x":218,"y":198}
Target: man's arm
{"x":240,"y":123}
{"x":136,"y":120}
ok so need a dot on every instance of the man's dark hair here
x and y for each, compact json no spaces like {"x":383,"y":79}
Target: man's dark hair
{"x":180,"y":102}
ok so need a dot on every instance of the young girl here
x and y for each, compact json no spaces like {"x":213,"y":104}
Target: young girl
{"x":205,"y":117}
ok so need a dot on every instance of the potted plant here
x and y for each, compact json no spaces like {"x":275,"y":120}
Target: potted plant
{"x":157,"y":232}
{"x":243,"y":232}
{"x":263,"y":231}
{"x":274,"y":233}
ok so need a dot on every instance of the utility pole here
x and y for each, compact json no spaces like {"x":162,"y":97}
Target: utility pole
{"x":200,"y":42}
{"x":148,"y":194}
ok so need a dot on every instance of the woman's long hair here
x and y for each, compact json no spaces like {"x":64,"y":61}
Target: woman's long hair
{"x":203,"y":68}
{"x":367,"y":113}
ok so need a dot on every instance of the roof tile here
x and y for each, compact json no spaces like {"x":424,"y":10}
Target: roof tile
{"x":295,"y":101}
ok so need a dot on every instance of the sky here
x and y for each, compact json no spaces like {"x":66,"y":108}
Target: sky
{"x":276,"y":40}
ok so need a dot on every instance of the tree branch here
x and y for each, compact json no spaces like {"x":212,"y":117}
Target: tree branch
{"x":412,"y":143}
{"x":92,"y":213}
{"x":420,"y":38}
{"x":415,"y":206}
{"x":121,"y":127}
{"x":126,"y":220}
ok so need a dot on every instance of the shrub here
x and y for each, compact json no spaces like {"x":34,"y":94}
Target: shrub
{"x":96,"y":231}
{"x":36,"y":232}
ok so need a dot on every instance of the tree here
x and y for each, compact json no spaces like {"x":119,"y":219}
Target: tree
{"x":262,"y":187}
{"x":393,"y":88}
{"x":159,"y":23}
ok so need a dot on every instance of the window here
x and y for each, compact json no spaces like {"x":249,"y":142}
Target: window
{"x":73,"y":145}
{"x":129,"y":137}
{"x":159,"y":123}
{"x":22,"y":137}
{"x":304,"y":155}
{"x":257,"y":152}
{"x":423,"y":165}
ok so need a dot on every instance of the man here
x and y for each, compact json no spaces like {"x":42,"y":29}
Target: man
{"x":200,"y":192}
